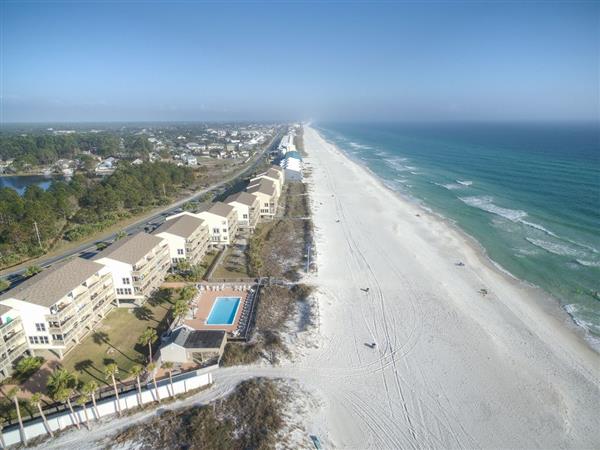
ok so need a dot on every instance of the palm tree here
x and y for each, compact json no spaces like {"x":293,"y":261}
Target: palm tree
{"x":63,"y":395}
{"x":12,"y":394}
{"x":36,"y":400}
{"x":168,"y":366}
{"x":90,"y":389}
{"x":81,"y":401}
{"x":151,"y":369}
{"x":136,"y":371}
{"x":148,"y":338}
{"x":60,"y":379}
{"x":180,"y":309}
{"x":109,"y":372}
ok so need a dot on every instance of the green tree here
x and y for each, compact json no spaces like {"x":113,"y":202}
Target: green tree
{"x":168,"y":366}
{"x":27,"y":365}
{"x":90,"y":389}
{"x":81,"y":401}
{"x":151,"y":369}
{"x":63,"y":395}
{"x":180,"y":309}
{"x":61,"y":379}
{"x":109,"y":372}
{"x":148,"y":338}
{"x":136,"y":371}
{"x":31,"y":271}
{"x":36,"y":402}
{"x":13,"y":395}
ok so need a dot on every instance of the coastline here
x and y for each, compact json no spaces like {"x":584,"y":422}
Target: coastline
{"x":544,"y":300}
{"x":434,"y":330}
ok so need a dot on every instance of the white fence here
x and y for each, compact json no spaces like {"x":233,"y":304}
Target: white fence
{"x":107,"y":406}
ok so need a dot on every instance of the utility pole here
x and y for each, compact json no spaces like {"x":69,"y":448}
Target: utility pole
{"x":37,"y":232}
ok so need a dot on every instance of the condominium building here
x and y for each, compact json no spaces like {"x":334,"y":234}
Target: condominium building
{"x":266,"y":192}
{"x":274,"y":174}
{"x":187,"y":237}
{"x":247,"y":207}
{"x":222,"y":221}
{"x":138,"y":264}
{"x":60,"y":305}
{"x":13,"y":341}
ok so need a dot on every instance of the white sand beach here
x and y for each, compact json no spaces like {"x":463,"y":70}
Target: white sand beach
{"x":452,"y":368}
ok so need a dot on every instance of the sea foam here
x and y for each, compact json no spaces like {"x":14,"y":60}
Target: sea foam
{"x":486,"y":203}
{"x":556,"y":248}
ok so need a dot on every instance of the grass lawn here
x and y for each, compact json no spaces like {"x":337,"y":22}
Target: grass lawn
{"x":233,"y":265}
{"x":116,"y":340}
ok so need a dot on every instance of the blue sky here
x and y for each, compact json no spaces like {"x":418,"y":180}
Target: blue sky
{"x":113,"y":61}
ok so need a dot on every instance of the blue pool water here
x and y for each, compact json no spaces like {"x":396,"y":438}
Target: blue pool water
{"x":223,"y":311}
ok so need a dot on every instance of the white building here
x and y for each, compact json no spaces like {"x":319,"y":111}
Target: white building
{"x":222,"y":223}
{"x":60,"y":305}
{"x":266,"y":192}
{"x":247,"y":207}
{"x":187,"y":237}
{"x":138,"y":264}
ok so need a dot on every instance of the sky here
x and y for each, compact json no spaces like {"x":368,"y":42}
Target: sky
{"x":331,"y":60}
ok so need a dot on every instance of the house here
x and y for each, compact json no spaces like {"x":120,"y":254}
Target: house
{"x":247,"y":207}
{"x":60,"y":305}
{"x":13,"y":341}
{"x":138,"y":264}
{"x":266,"y":192}
{"x":137,"y":162}
{"x":222,"y":221}
{"x":187,"y":237}
{"x":190,"y":160}
{"x":186,"y":345}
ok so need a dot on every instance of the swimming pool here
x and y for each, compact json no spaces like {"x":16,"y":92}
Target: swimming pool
{"x":223,"y":311}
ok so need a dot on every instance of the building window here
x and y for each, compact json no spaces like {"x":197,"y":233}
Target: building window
{"x":34,"y":340}
{"x":180,"y":251}
{"x":123,"y":291}
{"x":40,"y":327}
{"x":216,"y":231}
{"x":126,"y":281}
{"x":44,"y":339}
{"x":245,"y":216}
{"x":57,"y":337}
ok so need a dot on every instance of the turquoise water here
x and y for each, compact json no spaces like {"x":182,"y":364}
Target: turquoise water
{"x":223,"y":311}
{"x":530,"y":194}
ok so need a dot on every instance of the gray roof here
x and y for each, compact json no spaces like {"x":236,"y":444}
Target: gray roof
{"x":241,"y":197}
{"x":184,"y":226}
{"x":220,"y":209}
{"x":188,"y":338}
{"x":264,"y":186}
{"x":273,"y":173}
{"x":52,"y":284}
{"x":130,"y":249}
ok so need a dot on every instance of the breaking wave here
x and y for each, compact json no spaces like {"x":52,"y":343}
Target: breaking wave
{"x":486,"y":203}
{"x":465,"y":183}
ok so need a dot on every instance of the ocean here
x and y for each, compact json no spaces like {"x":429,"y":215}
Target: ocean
{"x":529,"y":193}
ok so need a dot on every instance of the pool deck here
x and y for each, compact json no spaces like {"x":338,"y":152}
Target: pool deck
{"x":204,"y":305}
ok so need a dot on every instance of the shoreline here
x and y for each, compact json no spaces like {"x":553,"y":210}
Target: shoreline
{"x":512,"y":361}
{"x":544,"y":300}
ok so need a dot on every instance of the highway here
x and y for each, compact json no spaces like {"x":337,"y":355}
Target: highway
{"x":88,"y":249}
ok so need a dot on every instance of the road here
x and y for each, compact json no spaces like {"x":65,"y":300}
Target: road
{"x":87,"y":249}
